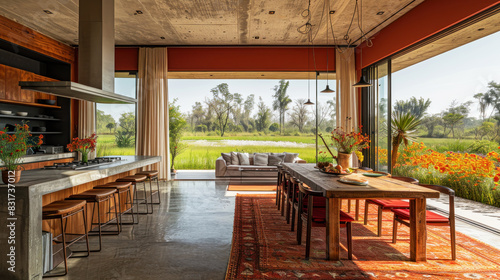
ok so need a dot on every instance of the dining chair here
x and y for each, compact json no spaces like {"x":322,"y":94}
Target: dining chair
{"x":284,"y":193}
{"x":387,"y":204}
{"x":314,"y":213}
{"x":278,"y":186}
{"x":402,"y":216}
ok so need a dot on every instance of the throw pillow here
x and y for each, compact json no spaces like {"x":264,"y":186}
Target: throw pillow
{"x":290,"y":157}
{"x":260,"y":159}
{"x":226,"y":157}
{"x":275,"y":160}
{"x":244,"y":158}
{"x":234,"y":159}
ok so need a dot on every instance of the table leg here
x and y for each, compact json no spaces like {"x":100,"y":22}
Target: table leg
{"x":333,"y":229}
{"x":418,"y":233}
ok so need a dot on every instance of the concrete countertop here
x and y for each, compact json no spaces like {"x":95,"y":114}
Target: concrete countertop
{"x":48,"y":181}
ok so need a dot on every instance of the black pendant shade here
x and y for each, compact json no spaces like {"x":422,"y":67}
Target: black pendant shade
{"x":327,"y":90}
{"x":309,"y":102}
{"x":362,"y":83}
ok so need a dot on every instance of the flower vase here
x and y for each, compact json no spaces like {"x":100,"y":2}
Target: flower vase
{"x":85,"y":157}
{"x":344,"y":160}
{"x":11,"y":177}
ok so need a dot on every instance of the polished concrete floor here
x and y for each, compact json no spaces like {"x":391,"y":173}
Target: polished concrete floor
{"x":187,"y":237}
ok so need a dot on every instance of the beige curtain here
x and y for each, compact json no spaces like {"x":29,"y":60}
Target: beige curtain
{"x":86,"y":121}
{"x":152,"y":108}
{"x":347,"y":104}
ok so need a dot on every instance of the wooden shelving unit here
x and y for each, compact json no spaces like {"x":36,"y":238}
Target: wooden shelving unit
{"x":29,"y":104}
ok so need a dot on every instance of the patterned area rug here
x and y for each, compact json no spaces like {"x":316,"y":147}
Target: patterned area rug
{"x":266,"y":188}
{"x":265,"y":248}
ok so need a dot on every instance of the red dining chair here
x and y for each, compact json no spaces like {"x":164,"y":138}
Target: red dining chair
{"x":402,"y":216}
{"x":387,"y":204}
{"x":315,"y":216}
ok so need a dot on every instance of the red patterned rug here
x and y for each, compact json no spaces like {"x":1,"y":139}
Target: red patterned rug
{"x":264,"y":248}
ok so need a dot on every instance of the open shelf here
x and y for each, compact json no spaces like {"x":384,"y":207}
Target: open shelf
{"x":29,"y":104}
{"x":27,"y":118}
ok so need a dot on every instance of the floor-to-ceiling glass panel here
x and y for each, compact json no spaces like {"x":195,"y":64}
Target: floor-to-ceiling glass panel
{"x":382,"y":116}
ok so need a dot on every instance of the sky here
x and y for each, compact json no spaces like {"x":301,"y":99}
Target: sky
{"x":455,"y":75}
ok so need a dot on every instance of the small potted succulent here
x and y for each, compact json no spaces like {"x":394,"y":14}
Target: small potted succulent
{"x":13,"y":146}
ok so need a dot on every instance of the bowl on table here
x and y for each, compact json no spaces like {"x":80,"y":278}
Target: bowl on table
{"x":22,"y":114}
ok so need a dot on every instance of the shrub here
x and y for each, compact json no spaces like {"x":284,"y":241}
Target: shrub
{"x":482,"y":147}
{"x":296,"y":134}
{"x":274,"y":127}
{"x":200,"y":128}
{"x":328,"y":129}
{"x":124,"y":139}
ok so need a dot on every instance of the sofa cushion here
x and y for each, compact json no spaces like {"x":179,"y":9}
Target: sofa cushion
{"x":227,"y":158}
{"x":234,"y":158}
{"x":290,"y":157}
{"x":244,"y":158}
{"x":275,"y":160}
{"x":260,"y":159}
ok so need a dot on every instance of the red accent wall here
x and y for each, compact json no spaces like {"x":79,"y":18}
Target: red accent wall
{"x":126,"y":59}
{"x":423,"y":21}
{"x":234,"y":59}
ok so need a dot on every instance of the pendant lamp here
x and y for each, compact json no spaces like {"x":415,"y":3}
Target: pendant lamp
{"x":327,"y":89}
{"x":362,"y":82}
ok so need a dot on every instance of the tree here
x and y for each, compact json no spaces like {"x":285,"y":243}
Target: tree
{"x":125,"y":134}
{"x":281,"y":101}
{"x":248,"y":108}
{"x":221,"y":104}
{"x":413,"y":106}
{"x":454,"y":115}
{"x":102,"y":119}
{"x":482,"y":99}
{"x":299,"y":114}
{"x":110,"y":126}
{"x":492,"y":98}
{"x":176,"y":124}
{"x":430,"y":122}
{"x":326,"y":112}
{"x":263,"y":116}
{"x":197,"y":113}
{"x":404,"y":129}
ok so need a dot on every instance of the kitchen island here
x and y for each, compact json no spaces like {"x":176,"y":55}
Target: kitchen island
{"x":21,"y":224}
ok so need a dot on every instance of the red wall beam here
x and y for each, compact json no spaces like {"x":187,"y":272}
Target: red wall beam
{"x":423,"y":21}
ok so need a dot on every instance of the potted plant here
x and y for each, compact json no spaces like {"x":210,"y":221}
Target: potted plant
{"x":84,"y":146}
{"x":176,"y":128}
{"x":346,"y":143}
{"x":13,"y":147}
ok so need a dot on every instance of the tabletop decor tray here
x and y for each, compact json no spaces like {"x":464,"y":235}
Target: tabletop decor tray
{"x":353,"y":181}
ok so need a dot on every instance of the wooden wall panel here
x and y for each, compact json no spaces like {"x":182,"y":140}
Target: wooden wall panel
{"x":12,"y":88}
{"x":21,"y":35}
{"x":2,"y":81}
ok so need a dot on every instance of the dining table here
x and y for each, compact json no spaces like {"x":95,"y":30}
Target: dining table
{"x":382,"y":187}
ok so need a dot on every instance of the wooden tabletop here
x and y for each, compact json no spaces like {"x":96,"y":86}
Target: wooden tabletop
{"x":378,"y":187}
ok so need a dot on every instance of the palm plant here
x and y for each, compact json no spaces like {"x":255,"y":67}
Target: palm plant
{"x":404,"y":129}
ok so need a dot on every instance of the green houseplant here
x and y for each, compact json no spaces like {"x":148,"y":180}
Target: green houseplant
{"x":404,"y":130}
{"x":13,"y":146}
{"x":176,"y":126}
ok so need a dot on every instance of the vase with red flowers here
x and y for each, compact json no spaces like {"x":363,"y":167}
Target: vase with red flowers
{"x":13,"y":146}
{"x":84,"y":146}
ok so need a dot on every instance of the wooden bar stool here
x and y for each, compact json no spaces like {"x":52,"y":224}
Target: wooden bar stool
{"x":122,"y":187}
{"x":152,"y":175}
{"x":62,"y":210}
{"x":98,"y":196}
{"x":135,"y":179}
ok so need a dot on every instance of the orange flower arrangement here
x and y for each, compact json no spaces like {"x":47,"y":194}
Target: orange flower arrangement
{"x":349,"y":142}
{"x":13,"y":146}
{"x":84,"y":146}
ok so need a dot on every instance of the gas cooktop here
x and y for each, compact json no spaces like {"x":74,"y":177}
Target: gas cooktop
{"x":77,"y":165}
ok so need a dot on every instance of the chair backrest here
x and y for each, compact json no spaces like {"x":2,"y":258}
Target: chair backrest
{"x":406,"y":179}
{"x":449,"y":192}
{"x":308,"y":191}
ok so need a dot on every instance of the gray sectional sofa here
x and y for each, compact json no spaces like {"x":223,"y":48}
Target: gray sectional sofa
{"x":252,"y":165}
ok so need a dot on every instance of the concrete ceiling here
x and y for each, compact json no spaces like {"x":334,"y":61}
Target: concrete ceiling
{"x":211,"y":22}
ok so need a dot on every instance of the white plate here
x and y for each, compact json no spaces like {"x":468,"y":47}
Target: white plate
{"x":347,"y":181}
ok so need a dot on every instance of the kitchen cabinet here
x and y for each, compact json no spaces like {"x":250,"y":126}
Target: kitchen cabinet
{"x":2,"y":81}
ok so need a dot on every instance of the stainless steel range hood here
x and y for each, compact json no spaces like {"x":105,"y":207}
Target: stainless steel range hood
{"x":77,"y":91}
{"x":96,"y":58}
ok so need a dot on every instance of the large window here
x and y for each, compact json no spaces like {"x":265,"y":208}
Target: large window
{"x":255,"y":122}
{"x":116,"y":123}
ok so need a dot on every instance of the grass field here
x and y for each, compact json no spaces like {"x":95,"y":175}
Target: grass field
{"x":202,"y":154}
